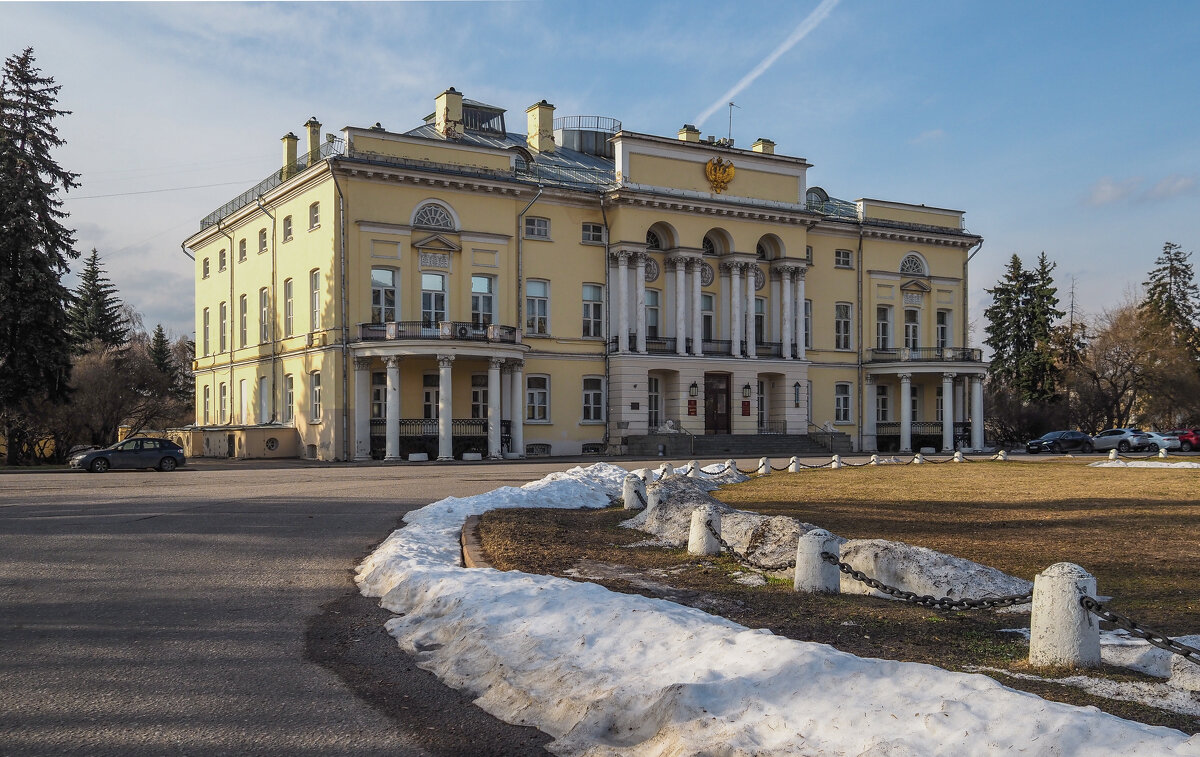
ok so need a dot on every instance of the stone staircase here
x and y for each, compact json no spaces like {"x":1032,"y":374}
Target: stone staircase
{"x":740,"y":445}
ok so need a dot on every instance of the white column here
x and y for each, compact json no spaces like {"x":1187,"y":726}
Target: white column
{"x":445,"y":408}
{"x":518,"y":408}
{"x":868,"y":413}
{"x":906,"y":412}
{"x":362,"y":408}
{"x":622,"y":302}
{"x":947,"y":412}
{"x":800,"y":348}
{"x":735,"y":309}
{"x":639,"y":289}
{"x":697,"y":326}
{"x":506,"y":405}
{"x":976,"y":412}
{"x":493,"y":419}
{"x":681,"y":330}
{"x":392,"y":410}
{"x":786,"y":328}
{"x":751,"y":280}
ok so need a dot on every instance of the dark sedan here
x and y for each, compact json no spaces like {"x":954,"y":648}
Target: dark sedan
{"x":1059,"y":442}
{"x":162,"y":454}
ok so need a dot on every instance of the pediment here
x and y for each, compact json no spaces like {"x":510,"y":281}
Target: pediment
{"x":915,"y":285}
{"x":436,"y":243}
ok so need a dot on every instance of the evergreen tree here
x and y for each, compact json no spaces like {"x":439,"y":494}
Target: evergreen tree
{"x":1172,"y":297}
{"x":1007,"y":329}
{"x":96,"y":314}
{"x":35,"y":247}
{"x":160,"y":353}
{"x":1039,"y":373}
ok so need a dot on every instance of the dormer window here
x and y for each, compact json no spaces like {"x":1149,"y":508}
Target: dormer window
{"x":433,"y":216}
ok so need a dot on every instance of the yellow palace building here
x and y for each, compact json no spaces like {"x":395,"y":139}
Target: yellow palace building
{"x":456,"y":289}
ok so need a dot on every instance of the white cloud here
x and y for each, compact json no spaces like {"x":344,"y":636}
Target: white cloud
{"x":1172,"y":186}
{"x":931,"y":135}
{"x":1109,"y":190}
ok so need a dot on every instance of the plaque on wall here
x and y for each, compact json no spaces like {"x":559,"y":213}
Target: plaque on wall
{"x":434,"y":260}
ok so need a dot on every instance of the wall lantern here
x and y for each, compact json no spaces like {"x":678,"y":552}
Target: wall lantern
{"x":693,"y":390}
{"x":746,"y":391}
{"x":796,"y":392}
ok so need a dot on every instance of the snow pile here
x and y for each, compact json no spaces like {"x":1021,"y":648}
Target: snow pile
{"x":924,"y":571}
{"x":1140,"y":464}
{"x":617,"y":674}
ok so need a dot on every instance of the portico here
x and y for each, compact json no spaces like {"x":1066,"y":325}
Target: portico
{"x":897,"y":402}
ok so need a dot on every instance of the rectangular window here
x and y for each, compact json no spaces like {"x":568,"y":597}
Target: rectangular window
{"x":707,"y":319}
{"x":937,"y":406}
{"x":243,"y":318}
{"x":912,"y":328}
{"x":841,"y":403}
{"x":482,"y":301}
{"x":207,"y":401}
{"x":652,"y":313}
{"x":262,"y":241}
{"x":537,"y":307}
{"x":433,"y":299}
{"x":222,"y":403}
{"x":841,"y":326}
{"x":808,"y":325}
{"x":537,"y":398}
{"x":537,"y":228}
{"x":808,"y":254}
{"x":943,"y":330}
{"x":378,"y":395}
{"x":207,"y":350}
{"x":808,"y":401}
{"x":654,"y":402}
{"x":883,"y":327}
{"x":843,"y":259}
{"x":289,"y":398}
{"x":243,"y":402}
{"x":314,"y":215}
{"x":264,"y":316}
{"x":383,"y":295}
{"x":916,"y":402}
{"x":287,"y":228}
{"x":593,"y":398}
{"x":221,"y":260}
{"x":593,"y":310}
{"x":242,"y":251}
{"x":287,"y":308}
{"x":593,"y":233}
{"x":222,"y":325}
{"x":882,"y":404}
{"x":204,"y":268}
{"x":316,"y":395}
{"x":760,"y":320}
{"x":314,"y":298}
{"x":430,"y":384}
{"x":479,"y":395}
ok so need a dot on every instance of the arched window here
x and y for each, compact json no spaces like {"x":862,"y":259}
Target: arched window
{"x":433,"y":216}
{"x":652,"y":241}
{"x":708,"y":246}
{"x":912,"y":265}
{"x":760,"y":252}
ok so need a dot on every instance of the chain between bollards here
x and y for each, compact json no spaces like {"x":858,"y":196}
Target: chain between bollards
{"x":925,"y":600}
{"x":1095,"y":607}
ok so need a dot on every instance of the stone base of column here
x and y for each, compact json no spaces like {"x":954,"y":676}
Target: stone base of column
{"x":392,"y":459}
{"x":445,"y":459}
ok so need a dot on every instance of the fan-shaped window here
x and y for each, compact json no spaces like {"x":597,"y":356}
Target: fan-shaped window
{"x":912,"y":265}
{"x":652,"y":241}
{"x":708,"y":246}
{"x":433,"y":217}
{"x":816,"y":196}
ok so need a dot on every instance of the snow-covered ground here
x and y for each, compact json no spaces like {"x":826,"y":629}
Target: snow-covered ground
{"x":616,"y":674}
{"x":1141,"y":464}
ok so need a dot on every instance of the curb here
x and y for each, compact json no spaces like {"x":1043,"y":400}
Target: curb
{"x":472,"y":550}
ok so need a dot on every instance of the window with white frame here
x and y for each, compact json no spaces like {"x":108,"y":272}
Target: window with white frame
{"x":537,"y":228}
{"x":287,"y":228}
{"x":221,"y":262}
{"x":205,"y":319}
{"x":944,"y":339}
{"x":287,"y":308}
{"x":707,"y":317}
{"x":593,"y":398}
{"x":314,"y":215}
{"x":243,"y":402}
{"x":842,"y":326}
{"x":430,"y":395}
{"x":653,"y":402}
{"x":243,"y":318}
{"x":841,"y":403}
{"x":242,"y":251}
{"x":289,"y":398}
{"x":479,"y":395}
{"x":653,"y":242}
{"x":314,"y":299}
{"x":383,"y":295}
{"x":222,"y":325}
{"x":808,"y":324}
{"x":207,"y":402}
{"x":760,"y":320}
{"x":593,"y":233}
{"x":537,"y":398}
{"x":915,"y":394}
{"x":482,"y":301}
{"x":808,"y":254}
{"x":843,"y":258}
{"x":652,"y":313}
{"x":883,"y":327}
{"x":433,"y":216}
{"x":537,"y":306}
{"x":912,"y":328}
{"x":883,"y":403}
{"x":262,"y":241}
{"x":433,"y":299}
{"x":264,"y":316}
{"x":937,"y":404}
{"x":912,"y":265}
{"x":204,"y":268}
{"x":378,"y":395}
{"x":222,"y":403}
{"x":593,"y":310}
{"x":315,"y":383}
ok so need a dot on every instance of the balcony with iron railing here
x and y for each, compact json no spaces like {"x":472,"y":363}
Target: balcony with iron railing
{"x":925,"y":355}
{"x":714,"y":347}
{"x":463,"y":331}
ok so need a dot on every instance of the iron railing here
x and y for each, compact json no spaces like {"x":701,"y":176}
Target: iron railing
{"x":428,"y":427}
{"x":772,"y":427}
{"x":921,"y":428}
{"x":334,"y":146}
{"x":464,"y":331}
{"x":588,"y":123}
{"x":925,"y":355}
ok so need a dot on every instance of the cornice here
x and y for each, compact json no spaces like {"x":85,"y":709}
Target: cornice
{"x":646,"y":198}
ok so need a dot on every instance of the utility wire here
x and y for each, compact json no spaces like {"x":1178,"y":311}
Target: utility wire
{"x":156,"y":191}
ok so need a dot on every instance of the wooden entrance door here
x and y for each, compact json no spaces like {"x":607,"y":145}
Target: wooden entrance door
{"x":716,"y":403}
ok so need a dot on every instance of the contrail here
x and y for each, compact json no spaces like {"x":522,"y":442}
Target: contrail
{"x":807,"y":25}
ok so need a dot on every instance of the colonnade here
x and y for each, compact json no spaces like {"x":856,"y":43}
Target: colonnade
{"x":975,"y":383}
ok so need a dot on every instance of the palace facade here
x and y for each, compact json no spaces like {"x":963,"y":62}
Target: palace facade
{"x":396,"y":293}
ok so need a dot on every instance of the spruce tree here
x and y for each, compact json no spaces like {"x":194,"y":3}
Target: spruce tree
{"x":1007,"y":332}
{"x":35,"y":247}
{"x":1039,"y":373}
{"x":160,"y":353}
{"x":1172,"y":297}
{"x":96,"y":314}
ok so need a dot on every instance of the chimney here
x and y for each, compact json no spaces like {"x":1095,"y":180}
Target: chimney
{"x":763,"y":145}
{"x":540,"y":127}
{"x":689,"y":133}
{"x":289,"y":155}
{"x":314,"y":139}
{"x":448,"y":114}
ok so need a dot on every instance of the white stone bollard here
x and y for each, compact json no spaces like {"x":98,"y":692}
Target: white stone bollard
{"x":650,"y":476}
{"x":958,"y":456}
{"x":874,"y":460}
{"x":694,"y":469}
{"x":918,"y":459}
{"x":812,"y":572}
{"x":665,"y":470}
{"x":1162,"y":453}
{"x":764,"y":466}
{"x":837,"y":462}
{"x":652,"y":497}
{"x":1061,"y":631}
{"x":700,"y":539}
{"x":794,"y":465}
{"x":1112,"y":454}
{"x":633,"y":491}
{"x":730,"y":466}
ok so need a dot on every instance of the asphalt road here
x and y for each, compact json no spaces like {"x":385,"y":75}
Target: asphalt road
{"x":211,"y":611}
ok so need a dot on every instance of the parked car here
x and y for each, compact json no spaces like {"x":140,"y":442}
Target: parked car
{"x":1162,"y":441}
{"x":1059,"y":442}
{"x":142,"y":452}
{"x":1189,"y":438}
{"x":1121,"y":439}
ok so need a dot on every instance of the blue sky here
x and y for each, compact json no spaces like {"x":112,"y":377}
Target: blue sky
{"x":1064,"y":127}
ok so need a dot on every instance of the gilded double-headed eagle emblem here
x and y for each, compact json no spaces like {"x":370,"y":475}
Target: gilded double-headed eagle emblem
{"x":719,"y":173}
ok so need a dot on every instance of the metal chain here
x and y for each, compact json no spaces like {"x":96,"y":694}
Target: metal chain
{"x":746,"y":558}
{"x":781,"y":470}
{"x":1092,"y":605}
{"x":944,"y":603}
{"x":640,"y":497}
